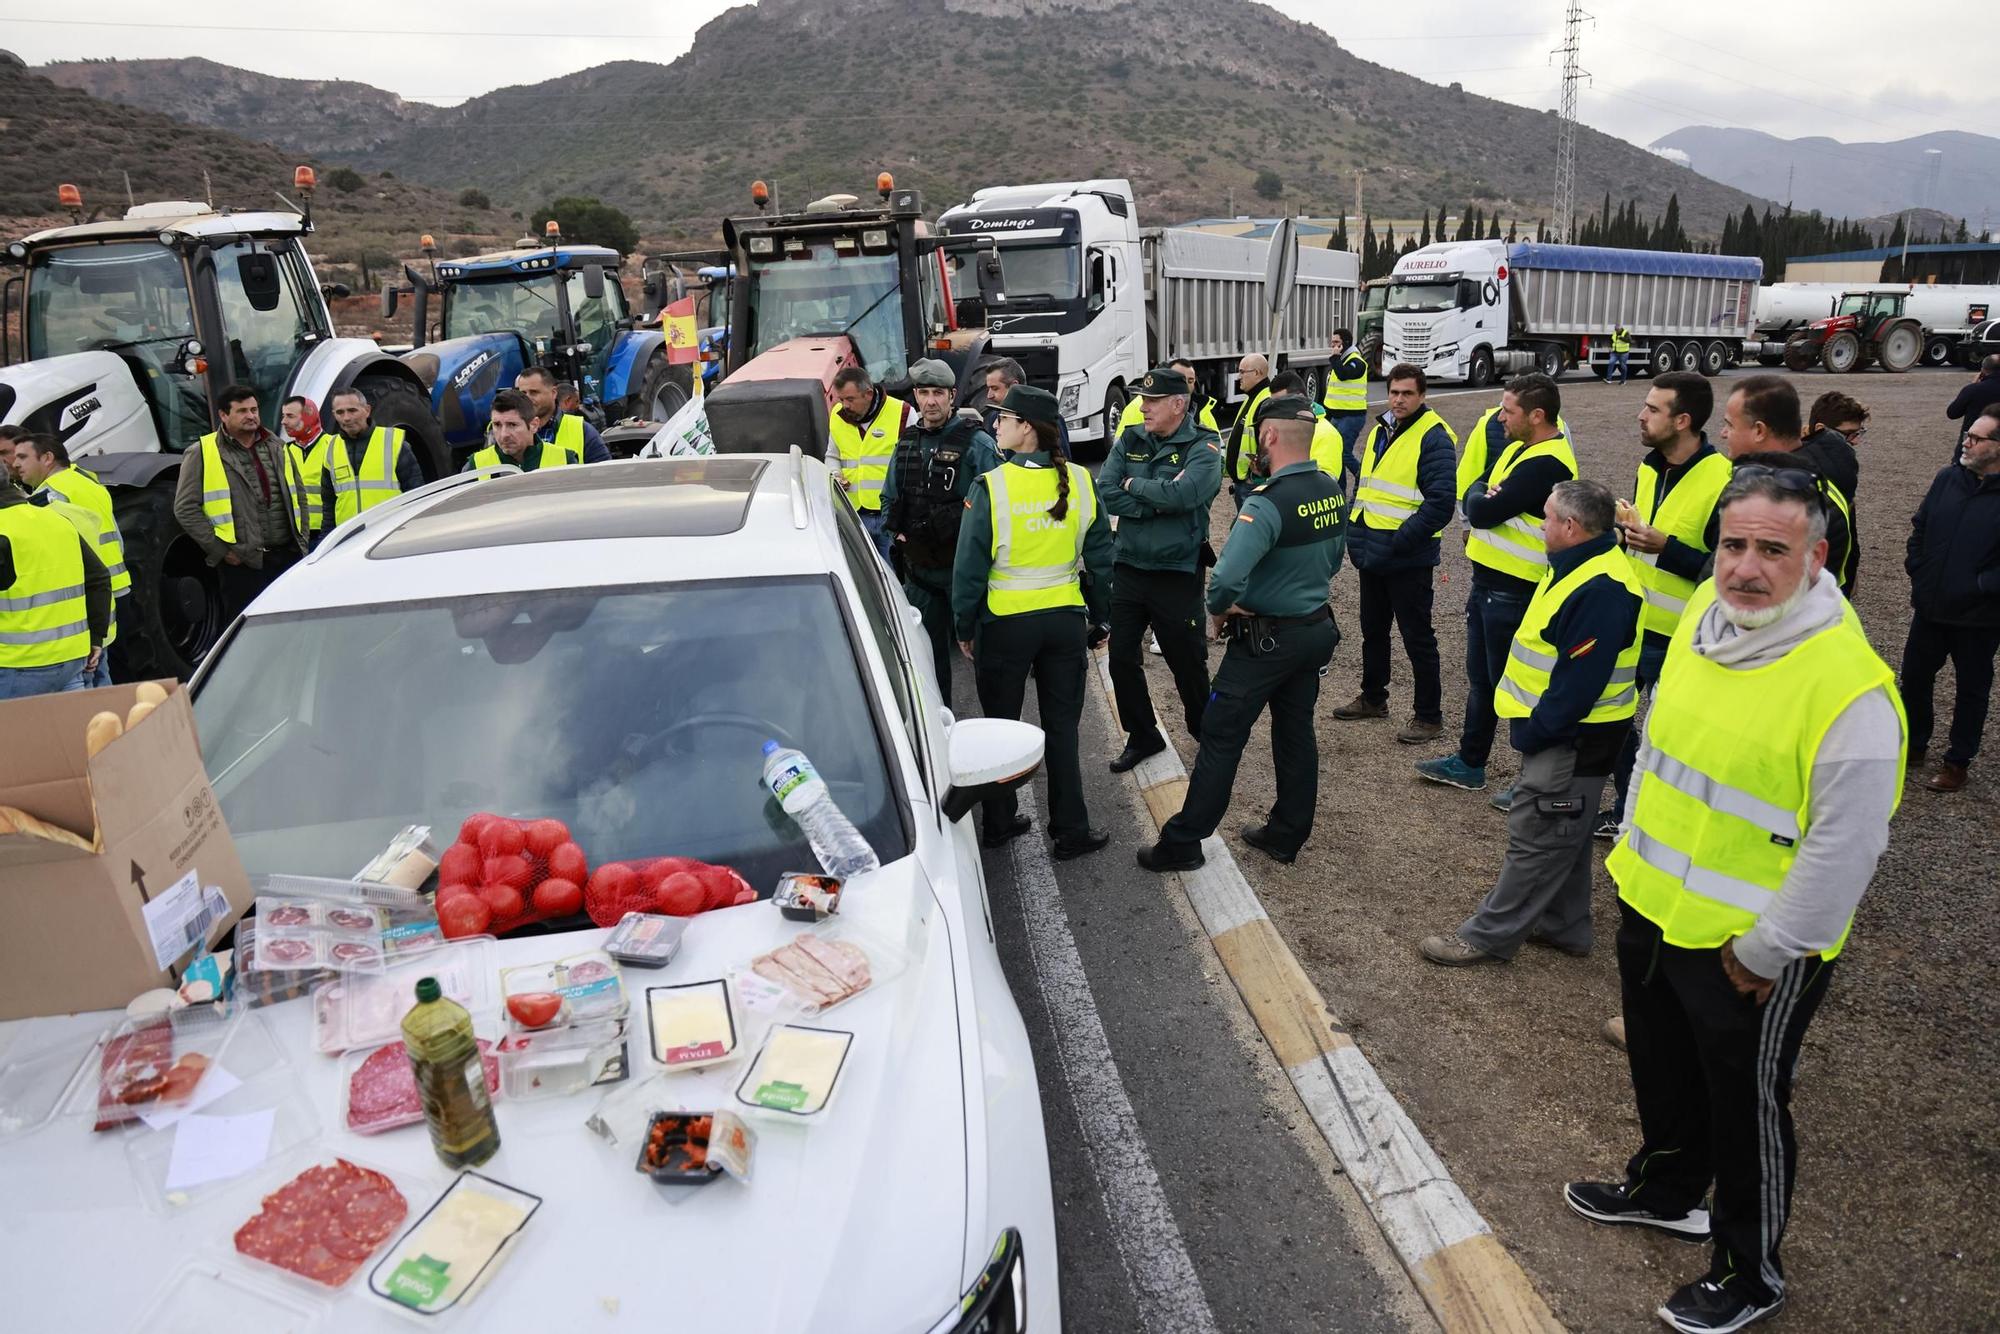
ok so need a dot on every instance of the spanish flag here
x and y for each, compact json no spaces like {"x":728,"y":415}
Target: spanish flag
{"x":683,"y":339}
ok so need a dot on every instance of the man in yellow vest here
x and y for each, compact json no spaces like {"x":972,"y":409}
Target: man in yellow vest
{"x":363,"y":466}
{"x":1621,"y":355}
{"x":510,"y":438}
{"x":1669,"y":530}
{"x":55,"y":600}
{"x":45,"y":468}
{"x":863,"y":427}
{"x":1239,"y":454}
{"x":1504,"y":510}
{"x":241,"y":499}
{"x":1762,"y":418}
{"x":567,"y":430}
{"x":300,"y":421}
{"x":1346,"y":396}
{"x":1402,"y":502}
{"x":1568,"y":694}
{"x":1771,"y":764}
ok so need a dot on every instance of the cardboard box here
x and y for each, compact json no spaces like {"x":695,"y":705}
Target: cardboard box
{"x":88,"y":930}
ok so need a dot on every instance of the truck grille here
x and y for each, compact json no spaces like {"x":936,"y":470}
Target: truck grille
{"x":1416,"y":345}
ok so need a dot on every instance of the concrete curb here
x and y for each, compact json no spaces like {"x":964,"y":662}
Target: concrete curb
{"x":1465,"y":1275}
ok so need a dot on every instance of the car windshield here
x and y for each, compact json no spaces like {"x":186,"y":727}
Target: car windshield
{"x":526,"y":306}
{"x":825,"y":293}
{"x":635,"y":716}
{"x":1422,"y":298}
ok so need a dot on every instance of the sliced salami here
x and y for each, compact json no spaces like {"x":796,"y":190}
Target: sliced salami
{"x":324,"y":1223}
{"x":382,"y":1091}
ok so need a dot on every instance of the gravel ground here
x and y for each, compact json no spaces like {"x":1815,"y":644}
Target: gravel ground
{"x":1894,"y":1225}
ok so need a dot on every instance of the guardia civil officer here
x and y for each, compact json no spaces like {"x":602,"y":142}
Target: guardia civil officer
{"x":1159,"y":478}
{"x":1267,"y":593}
{"x":923,"y":499}
{"x":1033,"y":553}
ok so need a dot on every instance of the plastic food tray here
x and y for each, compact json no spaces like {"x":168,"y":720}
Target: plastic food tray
{"x":36,"y":1081}
{"x":384,"y":1280}
{"x":239,"y":1042}
{"x":244,"y":1205}
{"x":366,"y":1010}
{"x":352,"y":1061}
{"x":208,"y":1297}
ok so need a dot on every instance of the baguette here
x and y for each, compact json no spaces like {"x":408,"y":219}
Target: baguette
{"x":14,"y":820}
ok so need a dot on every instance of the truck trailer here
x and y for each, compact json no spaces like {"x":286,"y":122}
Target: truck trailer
{"x":1468,"y":310}
{"x":1093,"y":299}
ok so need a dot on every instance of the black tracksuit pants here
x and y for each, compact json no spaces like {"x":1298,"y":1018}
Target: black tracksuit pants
{"x":1169,"y":601}
{"x":1050,"y":647}
{"x":1712,"y":1074}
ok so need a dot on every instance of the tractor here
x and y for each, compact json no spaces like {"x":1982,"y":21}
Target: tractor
{"x":1865,"y":327}
{"x":557,"y":306}
{"x":119,"y":336}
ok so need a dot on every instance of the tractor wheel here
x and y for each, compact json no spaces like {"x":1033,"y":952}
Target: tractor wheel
{"x":665,"y":390}
{"x":1899,"y":347}
{"x":1549,"y":360}
{"x":396,"y":404}
{"x":1715,"y":359}
{"x":1664,"y":357}
{"x":1371,"y":352}
{"x":1842,"y":353}
{"x":1799,"y":353}
{"x":173,"y":615}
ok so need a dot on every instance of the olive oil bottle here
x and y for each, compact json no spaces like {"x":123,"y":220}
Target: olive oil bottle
{"x":451,"y":1078}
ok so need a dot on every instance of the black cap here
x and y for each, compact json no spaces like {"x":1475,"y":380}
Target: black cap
{"x":1161,"y":382}
{"x":1286,"y":408}
{"x":1032,"y":404}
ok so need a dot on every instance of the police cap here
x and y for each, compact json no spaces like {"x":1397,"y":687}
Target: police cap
{"x":1286,"y":408}
{"x":930,"y":373}
{"x":1032,"y":404}
{"x":1161,"y":382}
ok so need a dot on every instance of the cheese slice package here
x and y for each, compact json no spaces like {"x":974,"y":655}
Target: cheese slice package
{"x":450,"y":1253}
{"x":796,"y":1071}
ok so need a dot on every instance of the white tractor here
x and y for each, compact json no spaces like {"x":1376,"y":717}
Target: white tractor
{"x":120,"y":334}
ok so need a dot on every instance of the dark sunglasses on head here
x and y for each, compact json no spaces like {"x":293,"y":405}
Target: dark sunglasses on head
{"x":1795,"y":481}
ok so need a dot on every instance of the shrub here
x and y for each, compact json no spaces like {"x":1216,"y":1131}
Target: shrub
{"x":344,"y":179}
{"x":588,"y":221}
{"x":474,"y":199}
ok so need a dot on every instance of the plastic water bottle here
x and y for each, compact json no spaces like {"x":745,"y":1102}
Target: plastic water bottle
{"x":791,"y":778}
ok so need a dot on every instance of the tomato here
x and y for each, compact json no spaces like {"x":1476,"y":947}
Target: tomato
{"x":502,"y":838}
{"x":505,"y":901}
{"x":464,"y":915}
{"x":513,"y":871}
{"x":557,"y":897}
{"x":475,"y":824}
{"x":566,"y":862}
{"x":532,"y":1009}
{"x":545,"y":836}
{"x":459,"y":864}
{"x":680,"y":895}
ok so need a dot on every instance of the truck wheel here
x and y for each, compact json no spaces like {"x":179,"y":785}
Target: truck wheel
{"x":1480,"y":373}
{"x":1799,"y":355}
{"x":1842,"y":353}
{"x":173,"y":615}
{"x":1690,"y":358}
{"x":1084,"y":451}
{"x":1938,"y":350}
{"x":1549,"y":360}
{"x":396,"y":404}
{"x":1663,"y":358}
{"x":665,"y":389}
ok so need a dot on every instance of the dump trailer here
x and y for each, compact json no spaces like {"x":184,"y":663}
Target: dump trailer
{"x":1468,"y":310}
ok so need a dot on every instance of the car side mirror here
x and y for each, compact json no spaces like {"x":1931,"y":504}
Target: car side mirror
{"x":389,"y":296}
{"x":988,"y":756}
{"x":593,"y":284}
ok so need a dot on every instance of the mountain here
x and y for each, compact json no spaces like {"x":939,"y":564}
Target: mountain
{"x":1192,"y":99}
{"x":1852,"y":180}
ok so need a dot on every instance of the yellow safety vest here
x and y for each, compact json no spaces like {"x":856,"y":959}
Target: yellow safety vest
{"x":1472,"y":461}
{"x":1347,"y":395}
{"x":374,"y":482}
{"x":1246,"y":449}
{"x":569,"y":436}
{"x":1621,"y":341}
{"x":215,"y":490}
{"x":80,"y":487}
{"x":1134,"y":415}
{"x":1517,"y":546}
{"x":1036,"y":556}
{"x":1721,"y":806}
{"x":312,"y":468}
{"x":1327,"y":446}
{"x":551,"y":456}
{"x":88,"y":528}
{"x":1684,"y":515}
{"x":865,"y":452}
{"x":43,"y":620}
{"x":1386,"y":494}
{"x":1531,"y":660}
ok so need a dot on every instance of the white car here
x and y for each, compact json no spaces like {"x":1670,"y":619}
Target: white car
{"x":611,"y":646}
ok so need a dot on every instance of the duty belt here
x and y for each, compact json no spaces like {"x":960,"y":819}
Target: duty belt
{"x":1313,"y":617}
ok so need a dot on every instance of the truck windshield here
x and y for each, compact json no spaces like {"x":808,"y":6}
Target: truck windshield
{"x":526,"y":306}
{"x":636,"y":716}
{"x":1047,"y":272}
{"x":825,"y":293}
{"x":1377,"y":298}
{"x":1413,"y":298}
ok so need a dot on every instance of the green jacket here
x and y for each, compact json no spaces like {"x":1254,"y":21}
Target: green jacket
{"x":1254,"y":572}
{"x":975,"y":560}
{"x":1161,"y":490}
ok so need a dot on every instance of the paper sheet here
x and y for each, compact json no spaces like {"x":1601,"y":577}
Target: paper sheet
{"x":214,"y":1083}
{"x":215,"y":1148}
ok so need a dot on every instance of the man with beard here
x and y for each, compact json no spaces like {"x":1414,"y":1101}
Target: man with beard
{"x":1771,"y":765}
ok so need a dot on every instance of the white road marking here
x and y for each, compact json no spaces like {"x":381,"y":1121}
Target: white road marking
{"x":1165,"y":1287}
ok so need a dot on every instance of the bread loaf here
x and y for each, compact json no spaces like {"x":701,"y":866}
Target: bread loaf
{"x":14,"y":820}
{"x":101,"y":731}
{"x":151,"y":692}
{"x":138,"y":714}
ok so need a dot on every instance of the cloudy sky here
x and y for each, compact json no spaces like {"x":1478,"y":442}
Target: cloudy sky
{"x":1846,"y":74}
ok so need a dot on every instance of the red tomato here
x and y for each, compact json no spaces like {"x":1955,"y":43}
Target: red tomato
{"x":557,"y":897}
{"x":745,"y":895}
{"x":464,"y":915}
{"x":680,"y":895}
{"x":457,"y":889}
{"x":532,"y":1009}
{"x":502,"y":838}
{"x":459,"y":864}
{"x":468,"y":833}
{"x":611,"y":893}
{"x":566,"y":862}
{"x":513,"y":871}
{"x":545,"y":836}
{"x":505,"y":901}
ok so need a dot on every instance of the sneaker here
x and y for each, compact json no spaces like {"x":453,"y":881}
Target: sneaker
{"x":1453,"y":772}
{"x":1708,"y":1307}
{"x":1607,"y":828}
{"x":1361,"y":707}
{"x":1452,"y":952}
{"x":1502,"y":801}
{"x":1417,"y":731}
{"x":1153,"y":645}
{"x":1607,"y":1202}
{"x":1537,"y":938}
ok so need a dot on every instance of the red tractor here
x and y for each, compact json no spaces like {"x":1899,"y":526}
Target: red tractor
{"x":1866,"y":327}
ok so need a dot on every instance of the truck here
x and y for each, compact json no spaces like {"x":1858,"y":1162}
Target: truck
{"x":557,"y":306}
{"x":1093,"y":300}
{"x":1893,"y":325}
{"x":1465,"y":311}
{"x":1368,"y":323}
{"x":120,"y":334}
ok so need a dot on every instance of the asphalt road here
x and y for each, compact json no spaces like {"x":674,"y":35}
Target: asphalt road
{"x":1192,"y":1191}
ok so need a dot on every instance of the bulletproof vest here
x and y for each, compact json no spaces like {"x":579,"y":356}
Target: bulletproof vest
{"x":930,"y":491}
{"x":1311,"y":507}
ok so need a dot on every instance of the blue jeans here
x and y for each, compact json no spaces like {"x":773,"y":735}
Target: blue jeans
{"x":1619,"y":366}
{"x":1349,"y":425}
{"x":1652,"y":652}
{"x":873,"y":520}
{"x":1491,"y":617}
{"x":21,"y":682}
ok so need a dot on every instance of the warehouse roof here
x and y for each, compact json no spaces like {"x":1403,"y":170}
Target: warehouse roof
{"x":1896,"y":251}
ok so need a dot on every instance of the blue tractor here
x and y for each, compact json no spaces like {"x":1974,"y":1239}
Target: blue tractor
{"x":556,"y":306}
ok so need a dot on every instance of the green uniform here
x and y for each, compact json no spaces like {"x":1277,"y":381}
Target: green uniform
{"x":923,"y":503}
{"x":1163,"y":515}
{"x":969,"y":572}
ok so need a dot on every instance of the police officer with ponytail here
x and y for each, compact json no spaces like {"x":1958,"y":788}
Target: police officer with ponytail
{"x":1032,"y":579}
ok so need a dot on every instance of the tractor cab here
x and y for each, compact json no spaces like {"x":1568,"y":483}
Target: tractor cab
{"x":1869,"y":308}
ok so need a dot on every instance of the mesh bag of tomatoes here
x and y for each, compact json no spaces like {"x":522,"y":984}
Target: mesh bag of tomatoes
{"x":677,"y":886}
{"x":505,"y":873}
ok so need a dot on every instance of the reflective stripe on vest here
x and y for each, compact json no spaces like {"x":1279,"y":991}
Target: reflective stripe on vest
{"x":1387,"y":493}
{"x":1621,"y":341}
{"x":80,"y":487}
{"x":550,"y":456}
{"x":1683,"y":515}
{"x":374,"y":482}
{"x":1243,"y":434}
{"x":568,"y":437}
{"x":1531,"y":659}
{"x":1517,"y":546}
{"x":215,"y":490}
{"x":1036,"y":556}
{"x":1327,"y":447}
{"x":864,"y":453}
{"x":1719,"y":808}
{"x":43,"y":616}
{"x":1347,"y":395}
{"x":1472,"y":459}
{"x":312,"y":468}
{"x":90,"y":531}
